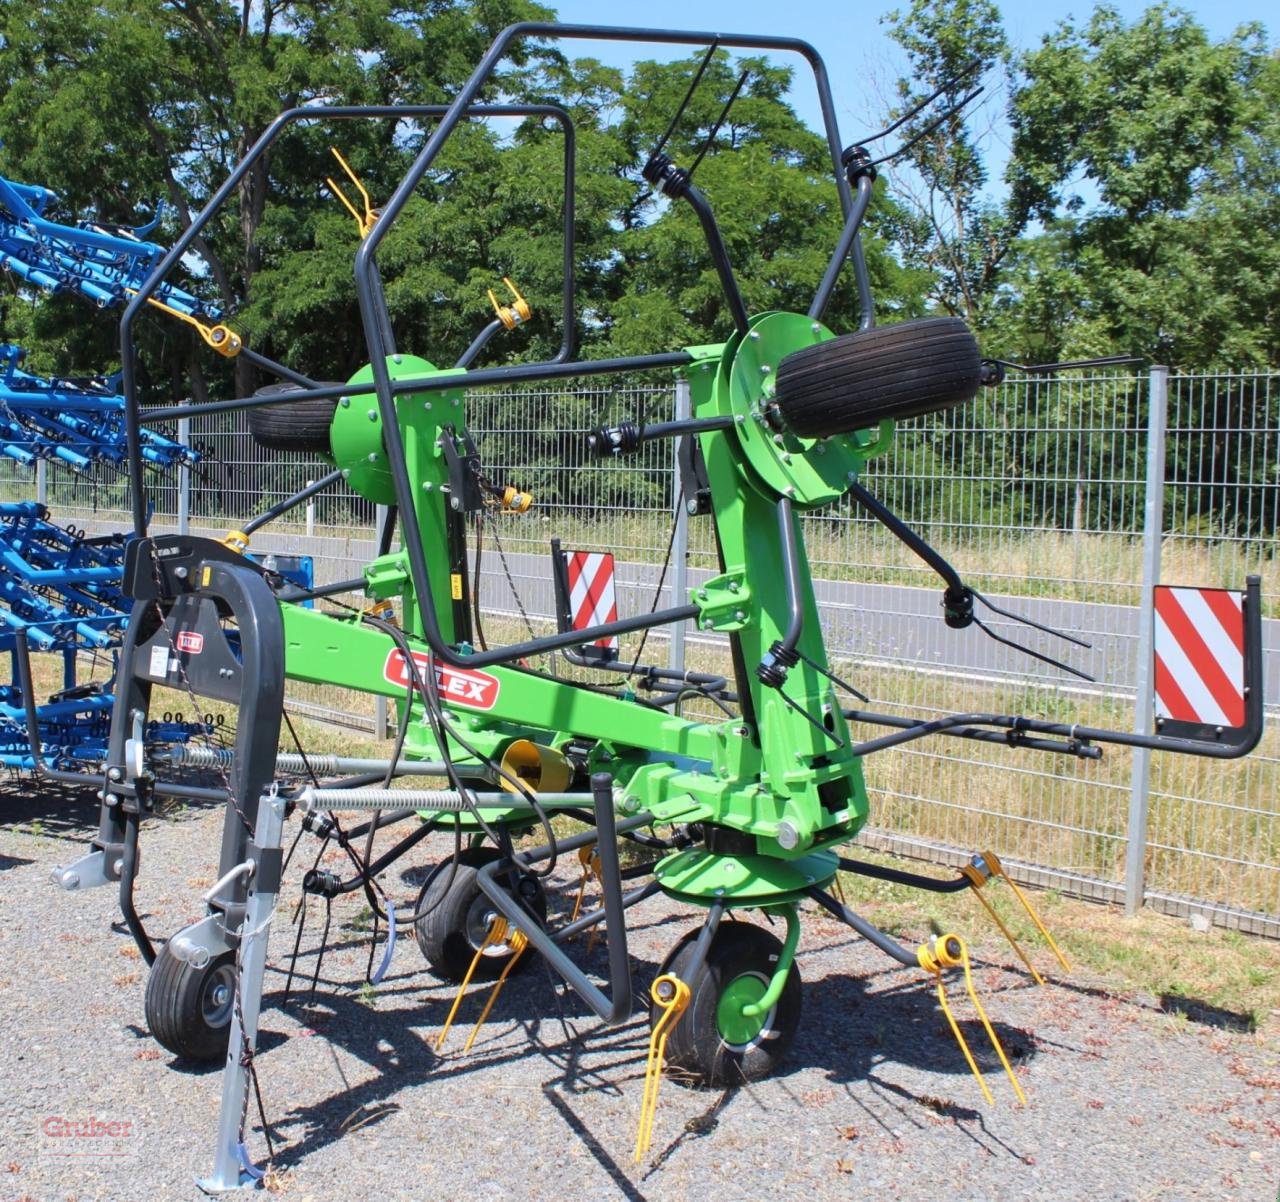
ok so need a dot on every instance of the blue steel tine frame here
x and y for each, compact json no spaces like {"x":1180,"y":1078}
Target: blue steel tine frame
{"x":128,"y":367}
{"x":365,"y":269}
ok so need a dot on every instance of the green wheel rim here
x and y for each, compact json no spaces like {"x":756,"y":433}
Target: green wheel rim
{"x":736,"y":1029}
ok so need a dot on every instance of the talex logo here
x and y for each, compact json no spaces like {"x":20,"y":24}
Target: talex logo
{"x":476,"y":690}
{"x":190,"y":641}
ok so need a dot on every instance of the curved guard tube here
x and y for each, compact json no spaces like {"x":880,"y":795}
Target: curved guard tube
{"x":609,"y":1009}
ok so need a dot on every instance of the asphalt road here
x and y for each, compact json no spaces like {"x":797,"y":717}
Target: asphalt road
{"x":893,"y":625}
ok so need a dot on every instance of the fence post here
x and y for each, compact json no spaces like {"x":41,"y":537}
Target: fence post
{"x":381,"y":727}
{"x":311,"y":513}
{"x":1144,"y":702}
{"x":42,"y":481}
{"x":680,"y":544}
{"x":184,"y":475}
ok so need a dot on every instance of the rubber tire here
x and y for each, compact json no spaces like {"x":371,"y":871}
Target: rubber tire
{"x":180,"y":1012}
{"x":444,"y":935}
{"x":852,"y":382}
{"x":695,"y":1046}
{"x":302,"y":427}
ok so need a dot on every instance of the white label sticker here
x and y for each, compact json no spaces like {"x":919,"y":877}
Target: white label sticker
{"x":159,"y":662}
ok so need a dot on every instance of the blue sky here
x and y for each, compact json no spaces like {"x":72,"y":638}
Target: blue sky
{"x":861,"y":60}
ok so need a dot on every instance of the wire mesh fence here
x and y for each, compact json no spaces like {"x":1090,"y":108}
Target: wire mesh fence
{"x":1036,"y":492}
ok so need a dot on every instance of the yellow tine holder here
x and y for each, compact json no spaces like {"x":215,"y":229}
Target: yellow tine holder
{"x":672,"y":994}
{"x":513,"y":314}
{"x":236,"y":540}
{"x":589,"y":858}
{"x":497,"y":933}
{"x":947,"y":952}
{"x":986,"y":1022}
{"x":364,"y":221}
{"x":220,"y":338}
{"x":519,"y":941}
{"x":997,"y":869}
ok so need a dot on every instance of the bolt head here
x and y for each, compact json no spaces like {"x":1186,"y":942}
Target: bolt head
{"x":373,"y":415}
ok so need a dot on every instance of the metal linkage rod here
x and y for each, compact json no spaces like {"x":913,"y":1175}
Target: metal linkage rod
{"x":848,"y":240}
{"x":303,"y":494}
{"x":446,"y":800}
{"x":519,"y":373}
{"x":155,"y":282}
{"x":188,"y":756}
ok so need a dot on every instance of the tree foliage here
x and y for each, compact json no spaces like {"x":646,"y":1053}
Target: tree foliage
{"x":1145,"y":170}
{"x":1152,"y":157}
{"x":952,"y":226}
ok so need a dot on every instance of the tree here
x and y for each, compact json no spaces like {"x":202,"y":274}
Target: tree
{"x":952,"y":227}
{"x":1151,"y":156}
{"x":115,"y":103}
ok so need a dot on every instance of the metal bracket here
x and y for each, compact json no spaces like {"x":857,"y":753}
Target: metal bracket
{"x":465,"y":494}
{"x":88,"y":872}
{"x":693,"y":476}
{"x":724,"y":602}
{"x":200,"y":942}
{"x":232,"y":1168}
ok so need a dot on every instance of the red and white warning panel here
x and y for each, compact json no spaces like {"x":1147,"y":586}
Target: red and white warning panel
{"x":1200,"y":656}
{"x":592,"y":600}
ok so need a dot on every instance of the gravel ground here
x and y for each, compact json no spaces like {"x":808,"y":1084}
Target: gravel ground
{"x":1126,"y":1102}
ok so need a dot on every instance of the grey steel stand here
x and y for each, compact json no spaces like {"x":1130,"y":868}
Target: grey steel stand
{"x":232,"y":1168}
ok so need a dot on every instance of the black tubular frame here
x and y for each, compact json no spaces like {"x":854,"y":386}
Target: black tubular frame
{"x":605,"y":837}
{"x":371,"y":311}
{"x":373,"y":306}
{"x":1228,"y":749}
{"x":375,"y":333}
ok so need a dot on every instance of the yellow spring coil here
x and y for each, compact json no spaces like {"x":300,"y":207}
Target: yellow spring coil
{"x":220,"y":338}
{"x":495,"y":935}
{"x":949,"y":951}
{"x":672,"y":994}
{"x":519,"y":941}
{"x":513,"y":314}
{"x":978,"y":877}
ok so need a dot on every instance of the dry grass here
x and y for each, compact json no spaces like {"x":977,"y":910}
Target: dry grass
{"x":1217,"y":976}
